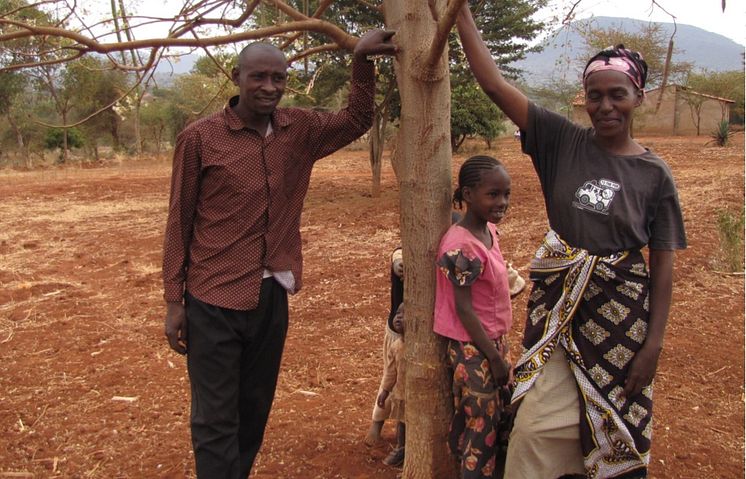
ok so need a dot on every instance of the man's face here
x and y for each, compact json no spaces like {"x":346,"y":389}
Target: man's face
{"x":261,"y":76}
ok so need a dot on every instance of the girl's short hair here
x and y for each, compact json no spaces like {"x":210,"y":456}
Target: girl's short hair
{"x":470,"y":174}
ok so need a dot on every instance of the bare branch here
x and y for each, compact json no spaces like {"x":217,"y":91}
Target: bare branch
{"x":654,"y":3}
{"x":570,"y":13}
{"x":329,"y":47}
{"x":667,"y":64}
{"x":389,"y":93}
{"x":315,"y":75}
{"x":445,"y":24}
{"x":209,"y":55}
{"x":433,"y":9}
{"x":343,"y":39}
{"x":237,"y":22}
{"x":214,"y":97}
{"x":56,"y":61}
{"x":319,"y":11}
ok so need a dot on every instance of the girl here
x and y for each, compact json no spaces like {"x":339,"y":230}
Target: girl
{"x":393,"y":384}
{"x":596,"y":316}
{"x":472,"y":310}
{"x":381,"y":413}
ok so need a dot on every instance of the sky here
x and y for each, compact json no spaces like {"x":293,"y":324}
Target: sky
{"x":705,"y":14}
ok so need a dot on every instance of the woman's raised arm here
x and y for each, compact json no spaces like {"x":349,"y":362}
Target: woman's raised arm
{"x":507,"y":97}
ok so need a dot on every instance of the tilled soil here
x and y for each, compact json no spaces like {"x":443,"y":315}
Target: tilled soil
{"x":90,"y":389}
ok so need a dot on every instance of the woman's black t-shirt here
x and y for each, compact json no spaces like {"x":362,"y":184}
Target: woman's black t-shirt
{"x":597,"y":201}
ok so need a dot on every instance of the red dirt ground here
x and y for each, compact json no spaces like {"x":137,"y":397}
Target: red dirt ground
{"x":89,"y":388}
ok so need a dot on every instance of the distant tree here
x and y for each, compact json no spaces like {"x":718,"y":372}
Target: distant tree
{"x":12,"y":85}
{"x":728,"y":85}
{"x":155,"y":119}
{"x":472,"y":113}
{"x":507,"y":28}
{"x":557,"y":95}
{"x":192,"y":96}
{"x":215,"y":65}
{"x":63,"y":139}
{"x":651,"y":41}
{"x":95,"y":88}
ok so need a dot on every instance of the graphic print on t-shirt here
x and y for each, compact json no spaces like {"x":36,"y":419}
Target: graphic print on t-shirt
{"x":596,"y":195}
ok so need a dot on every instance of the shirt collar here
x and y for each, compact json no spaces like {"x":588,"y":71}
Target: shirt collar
{"x":280,"y":117}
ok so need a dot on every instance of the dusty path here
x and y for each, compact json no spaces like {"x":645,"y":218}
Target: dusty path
{"x":89,"y":389}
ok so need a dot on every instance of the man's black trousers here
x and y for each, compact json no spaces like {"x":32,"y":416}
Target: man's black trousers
{"x":233,"y":358}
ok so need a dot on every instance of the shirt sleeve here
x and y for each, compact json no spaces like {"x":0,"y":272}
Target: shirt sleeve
{"x":667,"y":227}
{"x":336,"y":130}
{"x":181,"y":210}
{"x":543,"y":142}
{"x":459,"y":267}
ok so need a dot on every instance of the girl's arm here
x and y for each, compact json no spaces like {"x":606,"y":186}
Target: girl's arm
{"x":644,"y":364}
{"x":507,"y":97}
{"x":473,"y":326}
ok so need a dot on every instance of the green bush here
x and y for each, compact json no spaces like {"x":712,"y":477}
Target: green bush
{"x":721,"y":134}
{"x":731,"y":231}
{"x":54,"y":138}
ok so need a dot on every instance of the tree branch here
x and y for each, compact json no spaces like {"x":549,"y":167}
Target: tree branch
{"x":329,"y":47}
{"x":319,"y":11}
{"x":22,"y":66}
{"x":209,"y":55}
{"x":236,"y":22}
{"x":433,"y":9}
{"x":445,"y":24}
{"x":343,"y":39}
{"x":569,"y":16}
{"x":215,"y":96}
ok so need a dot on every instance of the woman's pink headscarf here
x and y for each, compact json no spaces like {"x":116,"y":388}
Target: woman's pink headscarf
{"x":621,"y":60}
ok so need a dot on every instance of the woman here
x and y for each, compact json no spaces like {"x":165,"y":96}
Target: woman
{"x":596,"y":317}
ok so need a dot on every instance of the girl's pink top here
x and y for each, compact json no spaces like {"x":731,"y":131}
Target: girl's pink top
{"x":490,"y":294}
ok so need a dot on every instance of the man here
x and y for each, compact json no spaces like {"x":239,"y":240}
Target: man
{"x":232,"y":247}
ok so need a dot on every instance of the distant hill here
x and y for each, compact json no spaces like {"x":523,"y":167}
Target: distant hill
{"x":564,"y":52}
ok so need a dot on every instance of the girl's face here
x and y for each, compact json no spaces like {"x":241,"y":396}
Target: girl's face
{"x":489,"y":199}
{"x":398,"y":321}
{"x":610,"y":99}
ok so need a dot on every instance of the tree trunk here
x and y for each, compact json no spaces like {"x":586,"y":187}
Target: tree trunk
{"x":378,"y":138}
{"x":114,"y":130}
{"x":17,"y":131}
{"x":64,"y":154}
{"x":136,"y":119}
{"x":666,"y":70}
{"x":376,"y":152}
{"x":423,"y":166}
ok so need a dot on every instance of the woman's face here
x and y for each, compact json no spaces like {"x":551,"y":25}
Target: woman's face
{"x":610,"y":99}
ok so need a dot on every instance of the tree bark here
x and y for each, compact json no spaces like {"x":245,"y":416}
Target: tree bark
{"x":423,"y":165}
{"x":376,"y":153}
